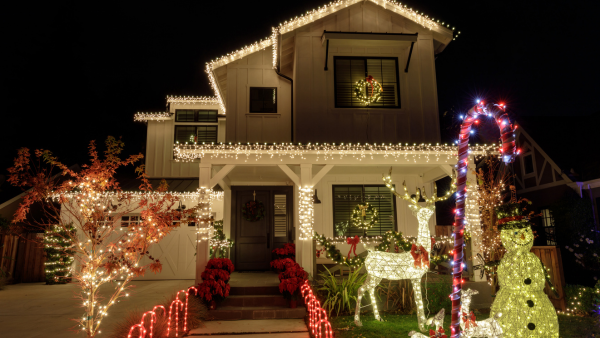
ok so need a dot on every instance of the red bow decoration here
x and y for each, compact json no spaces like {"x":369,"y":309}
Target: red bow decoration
{"x":370,"y":80}
{"x":470,"y":320}
{"x":352,"y":242}
{"x":420,"y":255}
{"x":438,"y":334}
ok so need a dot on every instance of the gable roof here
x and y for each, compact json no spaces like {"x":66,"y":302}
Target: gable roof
{"x":310,"y":17}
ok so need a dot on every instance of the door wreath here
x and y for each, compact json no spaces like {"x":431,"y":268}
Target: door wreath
{"x":253,"y":211}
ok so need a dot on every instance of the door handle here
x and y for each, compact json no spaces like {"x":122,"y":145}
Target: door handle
{"x":268,"y":240}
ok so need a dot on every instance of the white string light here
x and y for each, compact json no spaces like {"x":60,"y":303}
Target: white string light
{"x":192,"y":100}
{"x":306,"y":213}
{"x":145,"y":117}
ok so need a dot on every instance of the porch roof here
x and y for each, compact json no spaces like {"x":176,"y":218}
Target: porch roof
{"x":342,"y":153}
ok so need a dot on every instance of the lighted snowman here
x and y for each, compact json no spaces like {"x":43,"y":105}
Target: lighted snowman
{"x":526,"y":309}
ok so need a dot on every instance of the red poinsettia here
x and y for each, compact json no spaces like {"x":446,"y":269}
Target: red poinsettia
{"x":439,"y":334}
{"x":289,"y":249}
{"x":215,"y":278}
{"x":221,"y":263}
{"x":282,"y":263}
{"x":293,"y":271}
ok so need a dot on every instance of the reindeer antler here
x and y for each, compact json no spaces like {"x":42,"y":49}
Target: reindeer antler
{"x":388,"y":183}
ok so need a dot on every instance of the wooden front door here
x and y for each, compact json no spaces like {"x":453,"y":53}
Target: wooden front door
{"x":254,"y":241}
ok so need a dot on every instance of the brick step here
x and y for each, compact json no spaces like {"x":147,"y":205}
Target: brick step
{"x":255,"y":300}
{"x":254,"y":290}
{"x":258,"y":312}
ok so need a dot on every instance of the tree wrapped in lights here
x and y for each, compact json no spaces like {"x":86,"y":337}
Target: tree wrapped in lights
{"x":91,"y":201}
{"x":526,"y":309}
{"x":58,"y":246}
{"x":219,"y":243}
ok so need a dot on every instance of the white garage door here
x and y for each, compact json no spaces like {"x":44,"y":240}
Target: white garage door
{"x":176,"y":252}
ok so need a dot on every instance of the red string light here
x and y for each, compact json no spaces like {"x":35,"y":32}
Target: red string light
{"x":318,"y":322}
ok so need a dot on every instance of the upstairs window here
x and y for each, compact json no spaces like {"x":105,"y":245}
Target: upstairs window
{"x":263,"y":100}
{"x":189,"y":115}
{"x":198,"y":134}
{"x":350,"y":70}
{"x":347,"y":197}
{"x":549,"y":227}
{"x":130,"y":220}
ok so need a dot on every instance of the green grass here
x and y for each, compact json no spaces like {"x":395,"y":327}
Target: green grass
{"x":400,"y":325}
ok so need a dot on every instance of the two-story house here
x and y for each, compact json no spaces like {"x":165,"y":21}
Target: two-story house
{"x":291,"y":125}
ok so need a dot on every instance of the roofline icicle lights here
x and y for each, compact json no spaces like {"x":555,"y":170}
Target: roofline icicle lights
{"x":145,"y":117}
{"x":310,"y":17}
{"x":508,"y":151}
{"x":192,"y":99}
{"x":254,"y":151}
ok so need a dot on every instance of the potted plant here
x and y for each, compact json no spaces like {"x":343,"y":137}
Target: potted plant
{"x":290,"y":282}
{"x":215,"y":281}
{"x":285,"y":255}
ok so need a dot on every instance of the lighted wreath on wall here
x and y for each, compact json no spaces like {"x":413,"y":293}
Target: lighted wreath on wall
{"x":365,"y":216}
{"x":253,"y":211}
{"x":376,"y":90}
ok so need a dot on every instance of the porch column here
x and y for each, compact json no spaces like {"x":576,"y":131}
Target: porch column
{"x":304,"y":251}
{"x":202,"y":248}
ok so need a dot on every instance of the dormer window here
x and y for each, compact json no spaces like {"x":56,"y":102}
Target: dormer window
{"x":350,"y":70}
{"x":263,"y":100}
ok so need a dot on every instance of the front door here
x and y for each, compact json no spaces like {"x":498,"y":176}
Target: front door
{"x":254,"y":240}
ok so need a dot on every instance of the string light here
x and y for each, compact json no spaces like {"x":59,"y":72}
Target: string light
{"x":306,"y":213}
{"x":485,"y":328}
{"x":145,"y":117}
{"x":406,"y":265}
{"x":508,"y":151}
{"x":207,"y":100}
{"x":318,"y":323}
{"x":325,"y":151}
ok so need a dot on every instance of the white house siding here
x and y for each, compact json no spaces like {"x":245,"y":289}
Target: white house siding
{"x":256,"y":70}
{"x":159,"y":145}
{"x":317,"y":119}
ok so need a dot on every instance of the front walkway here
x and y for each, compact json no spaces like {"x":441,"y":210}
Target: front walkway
{"x":36,"y":310}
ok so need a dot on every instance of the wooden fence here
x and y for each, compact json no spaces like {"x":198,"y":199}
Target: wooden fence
{"x":23,"y":258}
{"x":550,"y":257}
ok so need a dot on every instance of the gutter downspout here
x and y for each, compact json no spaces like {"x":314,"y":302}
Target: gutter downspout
{"x":292,"y":87}
{"x":593,"y":209}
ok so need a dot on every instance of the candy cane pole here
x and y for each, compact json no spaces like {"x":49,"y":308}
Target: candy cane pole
{"x":507,"y":152}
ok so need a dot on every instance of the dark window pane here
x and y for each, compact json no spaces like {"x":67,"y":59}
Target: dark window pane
{"x":345,"y":199}
{"x":350,"y":70}
{"x":528,"y":161}
{"x":185,"y":134}
{"x":207,"y":116}
{"x":206,"y":134}
{"x":184,"y":115}
{"x":263,"y":100}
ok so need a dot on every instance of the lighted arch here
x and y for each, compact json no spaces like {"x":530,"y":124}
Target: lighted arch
{"x":508,"y":152}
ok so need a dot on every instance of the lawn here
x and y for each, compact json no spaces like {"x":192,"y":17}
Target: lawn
{"x":400,"y":325}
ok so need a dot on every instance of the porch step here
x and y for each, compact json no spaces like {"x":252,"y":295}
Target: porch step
{"x":256,"y":312}
{"x":254,"y":290}
{"x":260,"y":328}
{"x":255,"y":300}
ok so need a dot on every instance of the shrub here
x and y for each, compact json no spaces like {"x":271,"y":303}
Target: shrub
{"x":582,"y":300}
{"x":340,"y":296}
{"x":437,"y":293}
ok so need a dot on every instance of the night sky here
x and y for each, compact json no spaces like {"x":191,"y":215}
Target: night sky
{"x":78,"y":71}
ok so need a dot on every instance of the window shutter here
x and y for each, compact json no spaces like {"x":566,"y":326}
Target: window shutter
{"x":280,"y":216}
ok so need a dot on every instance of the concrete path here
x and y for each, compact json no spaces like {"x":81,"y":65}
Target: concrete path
{"x":275,"y":328}
{"x":35,"y":310}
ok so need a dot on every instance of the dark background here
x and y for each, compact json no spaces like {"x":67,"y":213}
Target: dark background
{"x":78,"y":71}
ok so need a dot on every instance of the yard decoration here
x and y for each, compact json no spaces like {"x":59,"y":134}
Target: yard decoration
{"x":353,"y":242}
{"x":376,"y":90}
{"x":215,"y":281}
{"x":526,"y":309}
{"x":59,"y":254}
{"x":397,"y":266}
{"x":91,"y":200}
{"x":471,"y":327}
{"x":318,"y":324}
{"x":508,"y":151}
{"x":361,"y":218}
{"x":253,"y":211}
{"x":438,"y":323}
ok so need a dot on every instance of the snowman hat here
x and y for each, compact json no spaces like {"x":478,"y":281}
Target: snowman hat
{"x":510,"y":217}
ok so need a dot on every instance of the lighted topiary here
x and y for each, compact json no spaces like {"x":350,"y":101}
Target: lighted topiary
{"x":525,"y":308}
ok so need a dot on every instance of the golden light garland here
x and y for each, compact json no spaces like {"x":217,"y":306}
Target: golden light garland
{"x":145,"y":117}
{"x":327,"y":151}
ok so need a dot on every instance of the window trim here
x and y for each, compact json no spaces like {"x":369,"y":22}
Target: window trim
{"x":336,"y":57}
{"x":196,"y":111}
{"x":262,"y":112}
{"x":196,"y":131}
{"x":394,"y":206}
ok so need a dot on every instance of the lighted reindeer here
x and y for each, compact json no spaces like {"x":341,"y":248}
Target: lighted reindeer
{"x":469,"y":325}
{"x":406,"y":265}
